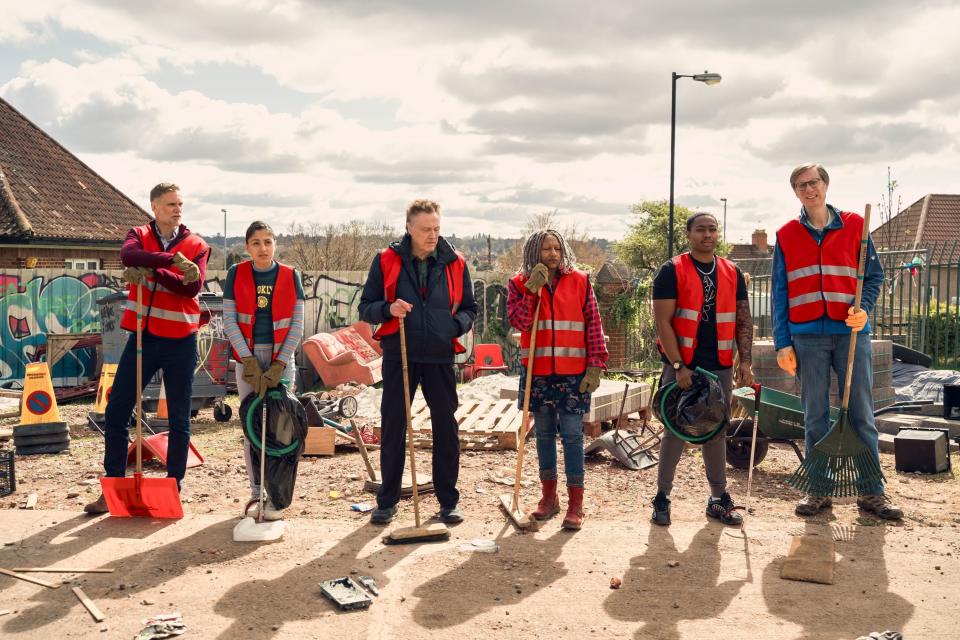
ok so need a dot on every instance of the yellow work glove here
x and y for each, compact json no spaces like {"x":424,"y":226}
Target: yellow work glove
{"x":856,"y":320}
{"x":136,"y":275}
{"x":190,"y":271}
{"x":538,"y":277}
{"x":591,"y":380}
{"x":251,"y":372}
{"x":271,"y":377}
{"x":787,"y":360}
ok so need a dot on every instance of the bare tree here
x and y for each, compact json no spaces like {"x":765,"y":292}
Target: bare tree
{"x":588,"y":254}
{"x":348,"y":246}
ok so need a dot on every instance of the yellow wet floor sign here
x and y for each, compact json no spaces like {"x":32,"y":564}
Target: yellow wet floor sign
{"x":39,"y":404}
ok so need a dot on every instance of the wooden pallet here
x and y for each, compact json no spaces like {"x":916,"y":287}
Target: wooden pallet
{"x":491,"y":424}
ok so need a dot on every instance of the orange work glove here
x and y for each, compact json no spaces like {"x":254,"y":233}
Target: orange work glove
{"x":856,"y":320}
{"x":787,"y":360}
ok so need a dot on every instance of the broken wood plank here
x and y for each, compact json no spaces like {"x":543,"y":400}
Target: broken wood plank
{"x":89,"y":604}
{"x":4,"y":612}
{"x":58,"y":570}
{"x":31,"y":502}
{"x":810,"y":559}
{"x":18,"y":576}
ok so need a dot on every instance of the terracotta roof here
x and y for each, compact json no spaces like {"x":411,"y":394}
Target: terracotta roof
{"x":748,"y":252}
{"x":931,"y":221}
{"x":47,"y":193}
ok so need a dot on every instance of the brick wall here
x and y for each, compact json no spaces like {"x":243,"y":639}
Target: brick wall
{"x":616,"y":333}
{"x":16,"y":257}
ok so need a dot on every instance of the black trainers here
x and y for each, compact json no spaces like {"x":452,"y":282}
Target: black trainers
{"x":661,"y":509}
{"x":383,"y":515}
{"x":451,"y":515}
{"x":722,"y":509}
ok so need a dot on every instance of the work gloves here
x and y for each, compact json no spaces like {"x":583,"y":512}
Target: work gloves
{"x":136,"y":275}
{"x":251,"y":372}
{"x":591,"y":380}
{"x":190,"y":271}
{"x":787,"y":360}
{"x":271,"y":377}
{"x":856,"y":319}
{"x":538,"y":277}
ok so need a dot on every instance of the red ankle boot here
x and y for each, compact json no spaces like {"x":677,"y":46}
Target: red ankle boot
{"x":550,"y":502}
{"x":574,"y":518}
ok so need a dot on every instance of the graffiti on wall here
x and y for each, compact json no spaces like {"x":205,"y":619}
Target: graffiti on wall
{"x":33,"y":304}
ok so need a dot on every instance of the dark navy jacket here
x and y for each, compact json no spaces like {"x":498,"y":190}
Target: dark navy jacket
{"x":429,"y":326}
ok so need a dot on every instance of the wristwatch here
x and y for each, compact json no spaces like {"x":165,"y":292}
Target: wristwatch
{"x":677,"y":365}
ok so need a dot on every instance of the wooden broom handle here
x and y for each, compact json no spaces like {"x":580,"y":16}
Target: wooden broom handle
{"x":525,"y":421}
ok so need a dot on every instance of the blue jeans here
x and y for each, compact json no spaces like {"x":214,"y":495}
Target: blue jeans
{"x":816,"y":356}
{"x":548,"y":422}
{"x":177,"y":358}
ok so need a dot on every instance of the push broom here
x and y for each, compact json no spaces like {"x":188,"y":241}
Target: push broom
{"x":511,"y":503}
{"x":139,"y":496}
{"x":416,"y":533}
{"x":841,"y":464}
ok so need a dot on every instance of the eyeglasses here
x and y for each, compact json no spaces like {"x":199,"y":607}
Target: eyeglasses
{"x":813,"y":184}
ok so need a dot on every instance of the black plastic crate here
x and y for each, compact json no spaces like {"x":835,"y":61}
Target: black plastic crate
{"x":8,"y":477}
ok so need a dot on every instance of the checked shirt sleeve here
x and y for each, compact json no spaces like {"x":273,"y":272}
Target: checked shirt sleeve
{"x":596,"y":345}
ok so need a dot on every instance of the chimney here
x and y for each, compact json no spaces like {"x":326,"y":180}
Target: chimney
{"x":759,"y":240}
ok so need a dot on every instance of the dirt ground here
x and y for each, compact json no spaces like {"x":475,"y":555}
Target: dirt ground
{"x":546,"y":584}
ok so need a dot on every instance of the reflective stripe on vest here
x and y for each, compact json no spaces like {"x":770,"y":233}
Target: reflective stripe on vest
{"x":165,"y":314}
{"x":283,"y":300}
{"x":561,"y":327}
{"x":690,"y":298}
{"x":390,"y":264}
{"x":821,"y":278}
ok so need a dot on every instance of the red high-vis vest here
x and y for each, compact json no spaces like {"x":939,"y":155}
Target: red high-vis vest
{"x":687,"y":315}
{"x":561,"y":328}
{"x":165,"y":314}
{"x":282,"y":303}
{"x":390,"y":263}
{"x":821,"y":279}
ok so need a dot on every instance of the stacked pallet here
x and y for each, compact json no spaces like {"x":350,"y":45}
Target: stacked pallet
{"x":768,"y":374}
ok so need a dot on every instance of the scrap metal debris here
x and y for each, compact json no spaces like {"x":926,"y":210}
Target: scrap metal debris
{"x":165,"y":625}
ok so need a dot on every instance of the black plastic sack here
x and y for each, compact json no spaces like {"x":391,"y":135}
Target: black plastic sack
{"x":286,"y":432}
{"x":695,"y":414}
{"x":702,"y":407}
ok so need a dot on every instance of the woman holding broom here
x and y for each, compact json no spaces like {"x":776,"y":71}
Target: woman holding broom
{"x":813,"y":281}
{"x":569,"y":354}
{"x":263,"y":319}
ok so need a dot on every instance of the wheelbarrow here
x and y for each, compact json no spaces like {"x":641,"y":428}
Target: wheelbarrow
{"x":781,"y":421}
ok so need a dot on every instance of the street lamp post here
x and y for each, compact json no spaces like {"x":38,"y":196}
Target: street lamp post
{"x":224,"y":239}
{"x":724,"y":201}
{"x":707,"y":78}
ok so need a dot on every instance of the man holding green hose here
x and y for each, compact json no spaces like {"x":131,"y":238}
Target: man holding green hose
{"x":702,"y":313}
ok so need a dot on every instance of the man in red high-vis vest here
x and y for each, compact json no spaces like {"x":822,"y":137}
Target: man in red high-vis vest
{"x":424,"y":280}
{"x":168,"y":262}
{"x":813,"y":284}
{"x":702,"y":313}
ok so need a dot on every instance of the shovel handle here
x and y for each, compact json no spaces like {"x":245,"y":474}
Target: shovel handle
{"x":525,"y":421}
{"x":406,"y":406}
{"x":139,"y":381}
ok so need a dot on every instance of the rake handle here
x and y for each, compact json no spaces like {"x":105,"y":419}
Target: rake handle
{"x":139,"y":471}
{"x":525,"y":421}
{"x":406,"y":407}
{"x":861,"y":267}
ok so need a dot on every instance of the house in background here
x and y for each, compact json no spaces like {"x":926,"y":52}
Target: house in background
{"x":55,"y":211}
{"x":753,"y":258}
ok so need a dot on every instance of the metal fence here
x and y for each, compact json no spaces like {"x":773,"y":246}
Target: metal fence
{"x":918,"y":307}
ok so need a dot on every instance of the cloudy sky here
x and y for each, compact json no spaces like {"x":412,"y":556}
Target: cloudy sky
{"x":309,"y":111}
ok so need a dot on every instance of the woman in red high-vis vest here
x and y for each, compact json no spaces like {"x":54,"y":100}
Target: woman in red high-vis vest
{"x":570,"y":354}
{"x":263,"y":319}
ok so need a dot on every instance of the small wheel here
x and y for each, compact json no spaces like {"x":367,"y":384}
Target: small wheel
{"x":348,"y":406}
{"x":222,"y":412}
{"x":738,"y":447}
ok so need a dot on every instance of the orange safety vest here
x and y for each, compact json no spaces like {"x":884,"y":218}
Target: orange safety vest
{"x":390,"y":263}
{"x":166,"y":314}
{"x":821,"y":278}
{"x":561,"y":328}
{"x":687,"y":315}
{"x":282,"y":303}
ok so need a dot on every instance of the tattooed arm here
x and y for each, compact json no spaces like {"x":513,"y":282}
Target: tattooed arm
{"x":744,"y":343}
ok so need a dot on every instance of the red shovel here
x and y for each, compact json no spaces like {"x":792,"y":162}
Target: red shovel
{"x":141,"y":497}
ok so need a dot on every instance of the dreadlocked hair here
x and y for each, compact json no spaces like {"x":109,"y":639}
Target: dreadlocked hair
{"x":531,"y":252}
